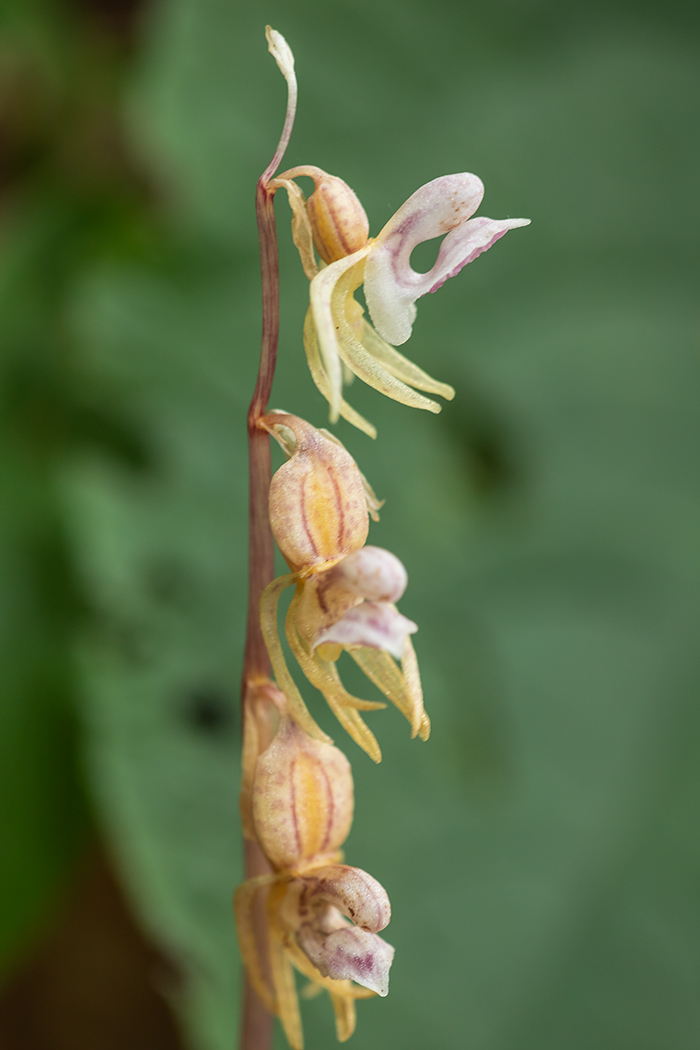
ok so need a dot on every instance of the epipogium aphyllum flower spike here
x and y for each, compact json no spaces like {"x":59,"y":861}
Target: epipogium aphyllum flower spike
{"x":334,"y":222}
{"x":345,"y":593}
{"x":301,"y":907}
{"x":301,"y":801}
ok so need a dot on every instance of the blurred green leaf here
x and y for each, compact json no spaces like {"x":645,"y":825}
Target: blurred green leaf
{"x":43,"y":814}
{"x":60,"y":210}
{"x":539,"y":850}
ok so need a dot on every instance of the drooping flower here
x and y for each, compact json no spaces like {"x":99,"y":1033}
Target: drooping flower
{"x":335,"y":333}
{"x":345,"y":593}
{"x":323,"y":916}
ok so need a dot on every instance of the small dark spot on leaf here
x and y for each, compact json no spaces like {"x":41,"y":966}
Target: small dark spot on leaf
{"x":483,"y":434}
{"x":209,"y":710}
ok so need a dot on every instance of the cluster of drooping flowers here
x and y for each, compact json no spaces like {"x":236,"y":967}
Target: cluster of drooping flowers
{"x":320,"y":506}
{"x":298,"y":795}
{"x":322,"y":917}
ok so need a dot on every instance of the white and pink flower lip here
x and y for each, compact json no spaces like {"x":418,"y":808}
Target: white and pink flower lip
{"x":375,"y":625}
{"x":315,"y":908}
{"x":335,"y":333}
{"x":443,"y":206}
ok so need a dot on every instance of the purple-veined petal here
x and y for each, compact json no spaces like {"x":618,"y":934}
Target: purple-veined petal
{"x":314,"y":907}
{"x":443,"y":206}
{"x":351,"y":954}
{"x":352,"y":891}
{"x":465,"y":244}
{"x":377,"y":625}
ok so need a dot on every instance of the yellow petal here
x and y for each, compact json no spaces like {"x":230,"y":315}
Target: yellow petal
{"x":341,"y":703}
{"x":322,"y":293}
{"x":243,"y":904}
{"x":355,"y":726}
{"x":283,"y":974}
{"x":320,"y":378}
{"x":400,"y":366}
{"x":411,"y":677}
{"x":301,"y":227}
{"x":363,"y":705}
{"x":381,"y":669}
{"x":346,"y":699}
{"x":357,"y":357}
{"x":311,"y":990}
{"x":268,"y":622}
{"x":345,"y":1016}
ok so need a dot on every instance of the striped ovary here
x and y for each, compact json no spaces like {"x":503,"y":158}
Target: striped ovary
{"x":302,"y":798}
{"x":318,"y":510}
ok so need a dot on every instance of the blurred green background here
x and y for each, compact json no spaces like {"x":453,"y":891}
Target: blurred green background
{"x":542,"y":851}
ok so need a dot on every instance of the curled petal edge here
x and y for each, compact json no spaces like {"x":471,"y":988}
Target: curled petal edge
{"x":374,"y":625}
{"x":268,"y":622}
{"x":443,"y":206}
{"x":354,"y":892}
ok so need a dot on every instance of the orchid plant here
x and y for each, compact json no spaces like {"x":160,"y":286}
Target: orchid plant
{"x":301,"y":908}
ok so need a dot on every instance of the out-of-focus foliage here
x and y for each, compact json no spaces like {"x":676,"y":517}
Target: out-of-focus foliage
{"x":65,"y":198}
{"x":540,"y":851}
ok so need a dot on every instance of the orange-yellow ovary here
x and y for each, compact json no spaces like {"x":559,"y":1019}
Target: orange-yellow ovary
{"x":338,"y":220}
{"x":314,"y":805}
{"x":323,"y":511}
{"x":302,"y":797}
{"x":318,"y":509}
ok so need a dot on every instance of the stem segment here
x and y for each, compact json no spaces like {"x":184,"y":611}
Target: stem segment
{"x":256,"y":1032}
{"x":260,"y":541}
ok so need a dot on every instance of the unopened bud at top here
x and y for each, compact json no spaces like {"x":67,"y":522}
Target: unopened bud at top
{"x":302,"y":797}
{"x":338,"y":221}
{"x":318,"y":508}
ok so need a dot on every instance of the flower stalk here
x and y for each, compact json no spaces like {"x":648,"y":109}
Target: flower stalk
{"x":257,"y":1021}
